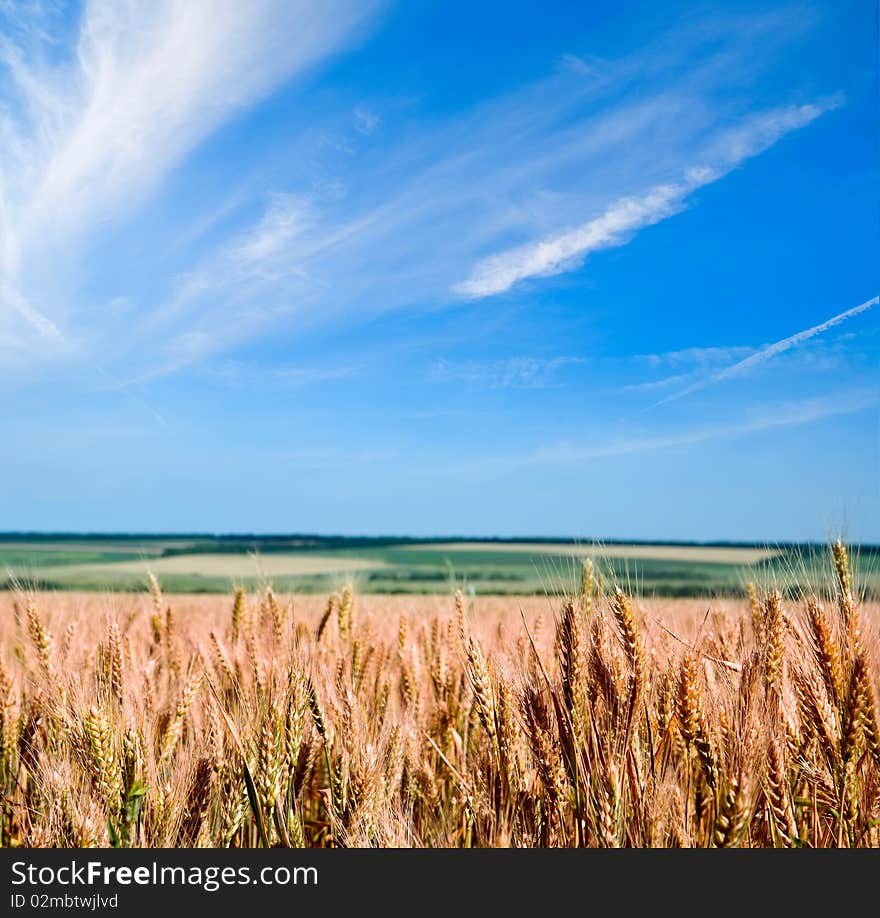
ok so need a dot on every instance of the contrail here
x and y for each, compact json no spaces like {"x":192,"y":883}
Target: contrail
{"x":132,"y":396}
{"x":45,"y":326}
{"x":771,"y":350}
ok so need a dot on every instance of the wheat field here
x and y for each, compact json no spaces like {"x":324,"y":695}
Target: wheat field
{"x":590,"y":720}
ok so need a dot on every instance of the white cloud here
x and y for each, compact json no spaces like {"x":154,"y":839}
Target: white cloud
{"x":577,"y":64}
{"x":615,"y":226}
{"x":653,"y":384}
{"x":348,"y":236}
{"x":253,"y":265}
{"x":566,"y":250}
{"x":153,"y":78}
{"x":690,"y":363}
{"x":396,"y":231}
{"x":86,"y":140}
{"x":507,"y":373}
{"x":285,"y":219}
{"x":366,"y":121}
{"x":697,"y":356}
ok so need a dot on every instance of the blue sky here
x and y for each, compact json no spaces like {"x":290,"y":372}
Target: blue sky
{"x":592,"y":270}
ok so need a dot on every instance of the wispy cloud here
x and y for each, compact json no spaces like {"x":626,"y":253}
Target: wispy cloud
{"x":151,"y":80}
{"x":794,"y":414}
{"x":261,"y":251}
{"x":770,"y":351}
{"x":402,"y":250}
{"x":653,"y":385}
{"x":691,"y":363}
{"x":366,"y":121}
{"x":250,"y":267}
{"x":509,"y":373}
{"x":88,"y":138}
{"x":567,"y":250}
{"x":623,"y":218}
{"x":697,"y":356}
{"x":344,"y":235}
{"x":578,"y":64}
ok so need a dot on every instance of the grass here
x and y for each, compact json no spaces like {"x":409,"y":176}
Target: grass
{"x":319,"y":565}
{"x":585,"y":719}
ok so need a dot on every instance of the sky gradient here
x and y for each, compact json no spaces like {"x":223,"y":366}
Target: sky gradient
{"x":589,"y":270}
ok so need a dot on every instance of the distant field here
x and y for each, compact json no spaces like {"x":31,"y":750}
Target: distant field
{"x":234,"y":566}
{"x":314,"y":565}
{"x":721,"y":554}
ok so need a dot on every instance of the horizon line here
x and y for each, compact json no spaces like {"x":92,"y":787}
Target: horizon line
{"x":72,"y":535}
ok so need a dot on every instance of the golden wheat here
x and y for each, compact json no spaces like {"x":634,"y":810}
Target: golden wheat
{"x":402,"y":722}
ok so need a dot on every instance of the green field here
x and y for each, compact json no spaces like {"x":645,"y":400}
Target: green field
{"x":202,"y":564}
